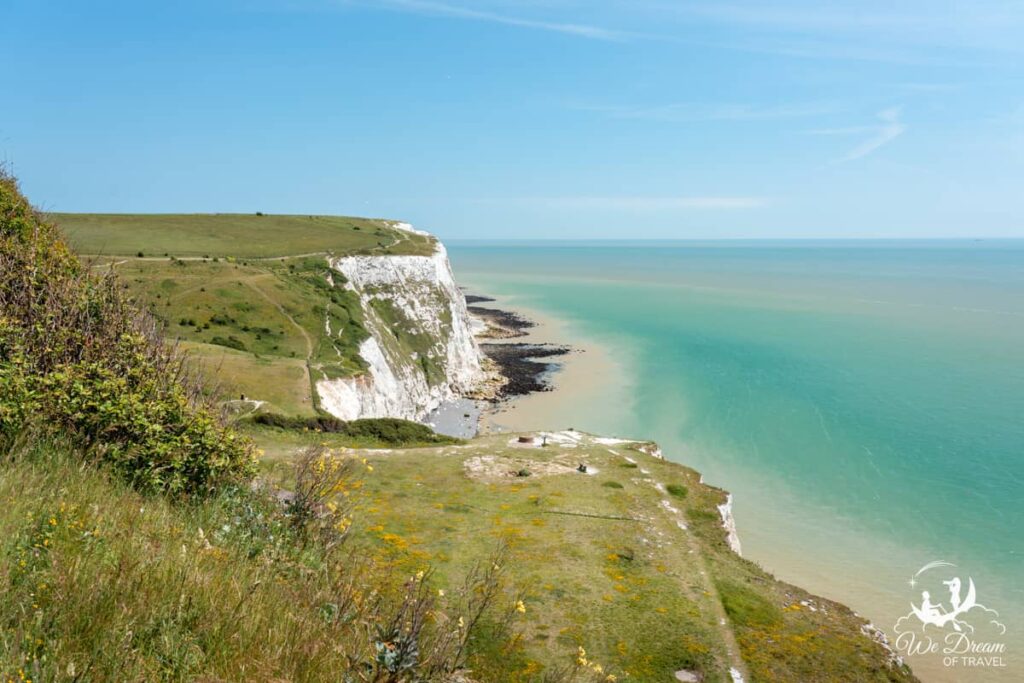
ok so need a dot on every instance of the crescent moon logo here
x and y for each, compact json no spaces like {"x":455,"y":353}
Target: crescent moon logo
{"x":933,"y":565}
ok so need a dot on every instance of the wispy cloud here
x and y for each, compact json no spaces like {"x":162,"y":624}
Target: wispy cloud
{"x":889,"y":127}
{"x":444,"y":9}
{"x":690,"y":112}
{"x":641,"y":203}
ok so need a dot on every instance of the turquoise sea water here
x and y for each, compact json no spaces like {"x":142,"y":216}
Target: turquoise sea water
{"x":864,"y":401}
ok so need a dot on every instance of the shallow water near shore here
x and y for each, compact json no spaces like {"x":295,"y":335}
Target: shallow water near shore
{"x":863,"y":401}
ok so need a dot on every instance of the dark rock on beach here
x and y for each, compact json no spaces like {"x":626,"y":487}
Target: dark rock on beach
{"x":522,"y":364}
{"x":500,"y":324}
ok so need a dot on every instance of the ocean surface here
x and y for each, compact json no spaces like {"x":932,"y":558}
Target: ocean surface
{"x":863,"y":401}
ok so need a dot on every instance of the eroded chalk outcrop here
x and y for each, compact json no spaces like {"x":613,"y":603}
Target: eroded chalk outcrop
{"x":421,"y":351}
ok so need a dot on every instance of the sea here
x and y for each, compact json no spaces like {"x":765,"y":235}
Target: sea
{"x":863,"y":401}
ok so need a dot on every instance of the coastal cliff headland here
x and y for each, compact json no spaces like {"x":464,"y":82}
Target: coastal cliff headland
{"x":392,"y":552}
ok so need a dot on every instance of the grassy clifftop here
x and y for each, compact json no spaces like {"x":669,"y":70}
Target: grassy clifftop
{"x":240,"y":235}
{"x":628,"y":561}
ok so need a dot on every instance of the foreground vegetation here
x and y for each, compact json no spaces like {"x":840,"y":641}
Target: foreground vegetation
{"x":99,"y":582}
{"x":75,"y":353}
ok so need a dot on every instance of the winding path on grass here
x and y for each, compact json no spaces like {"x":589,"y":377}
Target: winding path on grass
{"x":739,"y":669}
{"x":302,"y":330}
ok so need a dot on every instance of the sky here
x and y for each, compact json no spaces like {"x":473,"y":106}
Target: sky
{"x":481,"y":119}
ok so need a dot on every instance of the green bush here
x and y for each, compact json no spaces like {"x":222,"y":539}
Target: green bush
{"x":677,"y":490}
{"x":77,"y":355}
{"x":231,"y":341}
{"x":386,"y":430}
{"x":612,"y":485}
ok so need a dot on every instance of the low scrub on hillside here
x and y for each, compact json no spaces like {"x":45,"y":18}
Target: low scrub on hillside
{"x":75,"y":353}
{"x":386,"y":431}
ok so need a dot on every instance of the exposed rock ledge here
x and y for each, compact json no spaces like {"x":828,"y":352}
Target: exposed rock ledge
{"x":729,"y":523}
{"x":406,"y":298}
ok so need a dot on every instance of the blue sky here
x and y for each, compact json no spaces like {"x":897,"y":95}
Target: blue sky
{"x":532,"y":118}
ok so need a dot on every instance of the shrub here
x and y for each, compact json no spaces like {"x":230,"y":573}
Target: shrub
{"x":677,"y":490}
{"x":76,"y":354}
{"x":220,"y":319}
{"x":612,"y":485}
{"x":386,"y":430}
{"x":322,"y":479}
{"x":232,"y":342}
{"x":393,"y":430}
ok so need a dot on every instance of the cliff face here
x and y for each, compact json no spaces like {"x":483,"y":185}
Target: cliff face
{"x":421,"y":351}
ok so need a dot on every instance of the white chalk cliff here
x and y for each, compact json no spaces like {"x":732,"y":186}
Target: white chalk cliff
{"x":421,"y":351}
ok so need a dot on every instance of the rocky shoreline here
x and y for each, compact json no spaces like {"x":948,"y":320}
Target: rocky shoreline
{"x":524,"y":367}
{"x":499,"y":324}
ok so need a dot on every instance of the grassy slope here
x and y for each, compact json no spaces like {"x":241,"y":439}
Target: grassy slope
{"x":101,"y":583}
{"x":282,"y":383}
{"x":241,"y":235}
{"x":604,"y":563}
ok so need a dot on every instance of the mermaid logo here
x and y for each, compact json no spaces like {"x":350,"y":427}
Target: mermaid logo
{"x":949,"y":626}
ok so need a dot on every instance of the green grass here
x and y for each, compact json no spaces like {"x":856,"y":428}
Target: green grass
{"x":281,"y":382}
{"x":96,"y":577}
{"x":747,"y":606}
{"x":645,"y":608}
{"x":237,"y":235}
{"x":253,"y":325}
{"x":101,"y":583}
